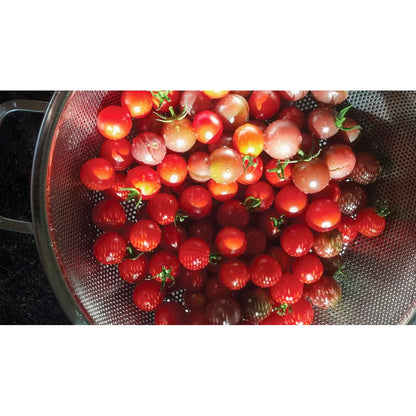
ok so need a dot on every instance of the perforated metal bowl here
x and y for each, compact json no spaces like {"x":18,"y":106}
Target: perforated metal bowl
{"x":379,"y":286}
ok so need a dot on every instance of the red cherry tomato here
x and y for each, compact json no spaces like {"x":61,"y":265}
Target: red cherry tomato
{"x":321,"y":122}
{"x":253,"y":170}
{"x":281,"y":256}
{"x":328,"y":244}
{"x":97,"y":174}
{"x":194,"y":254}
{"x":288,"y":290}
{"x":278,"y":180}
{"x":171,"y":101}
{"x":325,"y":293}
{"x":172,"y":170}
{"x":256,"y":304}
{"x":196,"y":201}
{"x":248,"y":140}
{"x":216,"y":94}
{"x":179,"y":135}
{"x":352,"y":199}
{"x":117,"y":190}
{"x":348,"y":229}
{"x":340,"y":160}
{"x":148,"y":148}
{"x":214,"y":288}
{"x":170,"y":313}
{"x":208,"y":127}
{"x":366,"y":170}
{"x":296,"y":240}
{"x":233,"y":213}
{"x":110,"y":248}
{"x":148,"y":123}
{"x":302,"y":314}
{"x":164,"y":268}
{"x":260,"y":196}
{"x":225,"y":165}
{"x":332,"y":192}
{"x":195,"y":102}
{"x":294,"y":115}
{"x":138,"y":103}
{"x":145,"y":180}
{"x":196,"y":317}
{"x":292,"y":95}
{"x":265,"y":271}
{"x":311,"y":177}
{"x":256,"y":241}
{"x":308,"y":268}
{"x":330,"y":97}
{"x":148,"y":295}
{"x":274,"y":319}
{"x":234,"y":274}
{"x":370,"y":222}
{"x":231,"y":242}
{"x":323,"y":215}
{"x":223,"y":311}
{"x":271,"y":222}
{"x":290,"y":201}
{"x":118,"y":153}
{"x":203,"y":229}
{"x":198,"y":167}
{"x":108,"y":215}
{"x":172,"y":237}
{"x":282,"y":139}
{"x":192,"y":280}
{"x":264,"y":104}
{"x":163,"y":208}
{"x":133,"y":270}
{"x":222,"y":192}
{"x":114,"y":122}
{"x":145,"y":235}
{"x":233,"y":111}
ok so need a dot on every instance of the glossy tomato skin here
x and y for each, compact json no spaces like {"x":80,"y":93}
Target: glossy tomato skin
{"x":262,"y":191}
{"x":145,"y":179}
{"x":256,"y":241}
{"x":326,"y":293}
{"x":290,"y":201}
{"x":196,"y":201}
{"x":148,"y":295}
{"x":248,"y":139}
{"x":194,"y":254}
{"x":321,"y":122}
{"x":148,"y":123}
{"x":172,"y":170}
{"x":233,"y":111}
{"x":208,"y":127}
{"x":179,"y":135}
{"x":133,"y":270}
{"x":274,"y":319}
{"x":225,"y":165}
{"x":222,"y":192}
{"x":110,"y":248}
{"x":273,"y":178}
{"x":172,"y":237}
{"x":281,"y":256}
{"x":352,"y":199}
{"x":231,"y":242}
{"x":340,"y":160}
{"x":369,"y":223}
{"x":138,"y":103}
{"x":348,"y":229}
{"x":195,"y":102}
{"x":172,"y":101}
{"x":330,"y":97}
{"x":328,"y":244}
{"x":216,"y":94}
{"x":117,"y":189}
{"x":350,"y":137}
{"x":214,"y":288}
{"x":145,"y":235}
{"x":366,"y":170}
{"x":118,"y":153}
{"x":282,"y":139}
{"x":97,"y":174}
{"x":264,"y":104}
{"x":233,"y":213}
{"x":168,"y":261}
{"x":162,"y":208}
{"x":293,"y":114}
{"x":302,"y":314}
{"x":308,"y":268}
{"x":234,"y":274}
{"x":203,"y":229}
{"x":311,"y":177}
{"x":108,"y":215}
{"x":148,"y":148}
{"x":265,"y":271}
{"x":223,"y":311}
{"x":252,"y":172}
{"x":271,"y":222}
{"x":323,"y":215}
{"x":256,"y":304}
{"x":114,"y":122}
{"x":296,"y":240}
{"x":332,"y":191}
{"x":192,"y":281}
{"x":170,"y":313}
{"x":288,"y":290}
{"x":196,"y":317}
{"x":293,"y":95}
{"x":195,"y":300}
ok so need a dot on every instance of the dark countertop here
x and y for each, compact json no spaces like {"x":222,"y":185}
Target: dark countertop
{"x":25,"y":295}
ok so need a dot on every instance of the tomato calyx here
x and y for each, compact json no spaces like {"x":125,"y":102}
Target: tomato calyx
{"x":133,"y":254}
{"x":162,"y":97}
{"x":278,"y":222}
{"x":164,"y":275}
{"x":251,"y":161}
{"x":215,"y":258}
{"x":180,"y":217}
{"x":134,"y":193}
{"x":382,"y":209}
{"x":341,"y":118}
{"x":173,"y":117}
{"x":340,"y":271}
{"x":283,"y":309}
{"x":251,"y":203}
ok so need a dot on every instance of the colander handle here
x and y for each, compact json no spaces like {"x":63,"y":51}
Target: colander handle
{"x":5,"y":109}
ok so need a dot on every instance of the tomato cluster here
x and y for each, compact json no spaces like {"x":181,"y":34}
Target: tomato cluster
{"x":244,"y":202}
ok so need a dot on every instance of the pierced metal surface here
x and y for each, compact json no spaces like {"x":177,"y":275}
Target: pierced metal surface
{"x":379,"y":286}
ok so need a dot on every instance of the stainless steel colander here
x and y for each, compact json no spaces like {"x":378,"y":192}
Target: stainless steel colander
{"x":379,"y":286}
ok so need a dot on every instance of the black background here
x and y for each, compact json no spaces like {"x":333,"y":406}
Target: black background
{"x":25,"y":295}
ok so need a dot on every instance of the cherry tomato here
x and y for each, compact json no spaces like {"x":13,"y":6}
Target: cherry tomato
{"x":265,"y":271}
{"x":194,"y":254}
{"x":171,"y":101}
{"x":271,"y":222}
{"x":256,"y":304}
{"x":195,"y":300}
{"x":114,"y":122}
{"x":148,"y":148}
{"x":328,"y":244}
{"x":223,"y":311}
{"x":192,"y":280}
{"x":294,"y":115}
{"x":274,"y":319}
{"x":353,"y":198}
{"x":133,"y":270}
{"x":172,"y":170}
{"x":198,"y":167}
{"x":248,"y":140}
{"x":234,"y":274}
{"x":108,"y":215}
{"x":281,"y":256}
{"x":308,"y":268}
{"x":288,"y":290}
{"x":330,"y":97}
{"x":296,"y":240}
{"x":253,"y":170}
{"x":261,"y":195}
{"x":302,"y":314}
{"x":202,"y":229}
{"x":196,"y":317}
{"x":222,"y":192}
{"x":233,"y":213}
{"x":323,"y":215}
{"x":145,"y":180}
{"x":348,"y":229}
{"x":145,"y":235}
{"x":170,"y":313}
{"x":349,"y":136}
{"x":309,"y":144}
{"x":208,"y":127}
{"x":118,"y":189}
{"x":325,"y":293}
{"x":264,"y":104}
{"x":256,"y":241}
{"x":163,"y":208}
{"x":290,"y":201}
{"x":366,"y":170}
{"x":148,"y":295}
{"x":196,"y":201}
{"x":225,"y":165}
{"x":118,"y":153}
{"x":278,"y":180}
{"x":138,"y":103}
{"x":321,"y":122}
{"x":371,"y":222}
{"x":231,"y":242}
{"x":148,"y":123}
{"x":97,"y":174}
{"x":340,"y":160}
{"x":332,"y":192}
{"x":214,"y":288}
{"x":216,"y":94}
{"x":179,"y":135}
{"x":293,"y":95}
{"x":110,"y":248}
{"x":311,"y":177}
{"x":233,"y":111}
{"x":164,"y":268}
{"x":172,"y":237}
{"x":225,"y":140}
{"x":282,"y":139}
{"x":195,"y":102}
